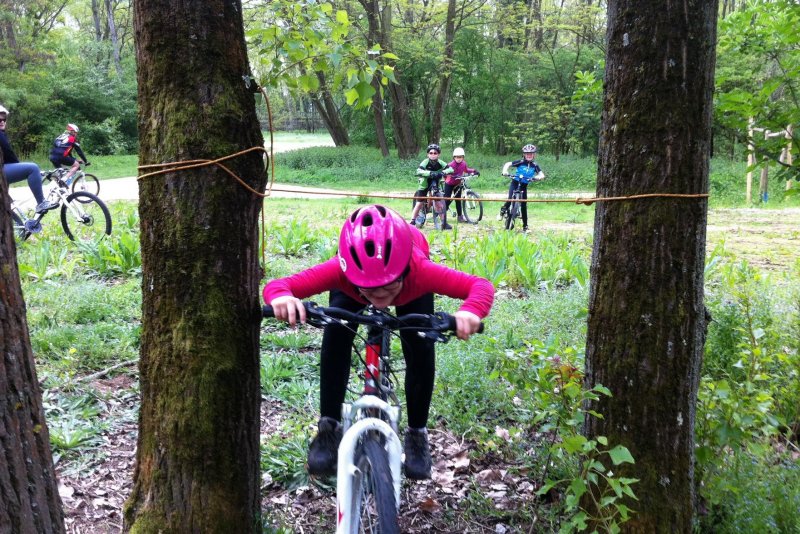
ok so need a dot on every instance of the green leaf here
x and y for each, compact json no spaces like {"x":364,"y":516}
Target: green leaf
{"x":620,"y":454}
{"x":573,"y":444}
{"x":341,"y":17}
{"x":389,"y":55}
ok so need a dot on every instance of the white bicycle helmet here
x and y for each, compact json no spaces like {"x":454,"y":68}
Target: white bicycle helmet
{"x":3,"y":109}
{"x":458,"y":152}
{"x":528,"y":149}
{"x":72,"y":128}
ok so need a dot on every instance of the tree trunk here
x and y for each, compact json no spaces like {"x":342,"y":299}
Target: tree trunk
{"x":380,"y":27}
{"x":112,"y":34}
{"x":447,"y":72}
{"x":98,"y":34}
{"x":197,"y":463}
{"x":646,"y":326}
{"x":323,"y":102}
{"x":29,"y":500}
{"x":377,"y":114}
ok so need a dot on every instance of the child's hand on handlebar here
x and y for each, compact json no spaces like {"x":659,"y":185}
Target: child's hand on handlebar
{"x":289,"y":309}
{"x":467,"y":323}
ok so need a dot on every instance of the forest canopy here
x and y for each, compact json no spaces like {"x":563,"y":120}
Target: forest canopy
{"x":485,"y":74}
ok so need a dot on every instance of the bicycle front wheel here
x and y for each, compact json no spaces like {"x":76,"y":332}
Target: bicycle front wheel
{"x":375,"y":509}
{"x":85,"y":217}
{"x":438,"y":213}
{"x":512,"y":214}
{"x":87,"y":183}
{"x":472,"y":207}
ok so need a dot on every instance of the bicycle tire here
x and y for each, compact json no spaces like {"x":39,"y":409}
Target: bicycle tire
{"x":87,"y":183}
{"x":472,"y":207}
{"x":20,"y":233}
{"x":512,"y":213}
{"x":375,"y":509}
{"x":438,"y":209}
{"x":85,"y":218}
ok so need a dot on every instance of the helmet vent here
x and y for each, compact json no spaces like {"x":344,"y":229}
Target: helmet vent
{"x":388,"y":253}
{"x":355,"y":258}
{"x":369,"y":248}
{"x":382,"y":210}
{"x":367,"y":220}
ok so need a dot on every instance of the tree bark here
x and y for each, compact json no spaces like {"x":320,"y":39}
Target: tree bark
{"x":647,"y":323}
{"x":327,"y":109}
{"x":29,"y":500}
{"x":404,"y":139}
{"x":447,"y":73}
{"x":112,"y":34}
{"x":197,"y":463}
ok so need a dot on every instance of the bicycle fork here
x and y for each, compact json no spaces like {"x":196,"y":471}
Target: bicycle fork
{"x":379,"y":410}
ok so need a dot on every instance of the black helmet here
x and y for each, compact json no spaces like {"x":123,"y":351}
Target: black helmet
{"x":434,"y":146}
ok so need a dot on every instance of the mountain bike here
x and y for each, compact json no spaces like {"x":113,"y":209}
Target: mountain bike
{"x":84,"y":217}
{"x":80,"y":181}
{"x":515,"y":206}
{"x":369,"y":463}
{"x":431,"y":207}
{"x":470,"y":201}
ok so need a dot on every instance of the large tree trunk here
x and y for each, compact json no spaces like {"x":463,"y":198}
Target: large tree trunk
{"x":646,"y":326}
{"x":197,"y":466}
{"x":29,"y":500}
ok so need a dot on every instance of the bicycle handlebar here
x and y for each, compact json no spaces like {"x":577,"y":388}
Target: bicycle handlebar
{"x":320,"y":316}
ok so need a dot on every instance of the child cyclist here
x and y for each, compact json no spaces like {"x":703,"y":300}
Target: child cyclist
{"x":430,"y":171}
{"x":383,"y":261}
{"x":61,"y":153}
{"x":526,"y":171}
{"x":451,"y":181}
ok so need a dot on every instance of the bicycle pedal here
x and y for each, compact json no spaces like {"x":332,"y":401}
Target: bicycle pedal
{"x":33,"y":226}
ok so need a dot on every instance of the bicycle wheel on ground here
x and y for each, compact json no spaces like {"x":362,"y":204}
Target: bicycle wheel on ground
{"x":375,"y":509}
{"x":20,"y":233}
{"x":512,"y":214}
{"x":438,"y":209}
{"x":88,"y":183}
{"x":85,"y":217}
{"x":472,"y":207}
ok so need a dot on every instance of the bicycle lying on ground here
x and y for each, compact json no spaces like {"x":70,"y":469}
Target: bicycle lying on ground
{"x":431,"y":207}
{"x":470,"y":201}
{"x":80,"y":181}
{"x":369,"y":464}
{"x":515,"y":207}
{"x":84,"y":217}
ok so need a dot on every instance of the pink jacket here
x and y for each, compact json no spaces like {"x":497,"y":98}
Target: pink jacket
{"x":459,"y":169}
{"x":424,"y":277}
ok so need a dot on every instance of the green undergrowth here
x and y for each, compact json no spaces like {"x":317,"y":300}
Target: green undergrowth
{"x":514,"y":393}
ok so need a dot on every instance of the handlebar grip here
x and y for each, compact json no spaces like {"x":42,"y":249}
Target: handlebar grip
{"x":267,"y":311}
{"x":451,"y":324}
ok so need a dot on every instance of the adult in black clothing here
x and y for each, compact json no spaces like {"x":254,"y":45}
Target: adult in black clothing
{"x":15,"y":171}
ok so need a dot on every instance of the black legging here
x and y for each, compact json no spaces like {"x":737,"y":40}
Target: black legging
{"x":448,"y":192}
{"x":336,"y":352}
{"x":523,"y":188}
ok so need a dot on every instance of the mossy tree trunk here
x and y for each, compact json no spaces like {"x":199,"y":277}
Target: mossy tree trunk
{"x":646,"y":326}
{"x":197,"y":466}
{"x":29,"y":500}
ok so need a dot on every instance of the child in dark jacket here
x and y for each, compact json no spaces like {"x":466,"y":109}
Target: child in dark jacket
{"x":429,"y":172}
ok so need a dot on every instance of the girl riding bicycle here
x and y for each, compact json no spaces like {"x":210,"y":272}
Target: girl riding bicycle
{"x":451,"y":181}
{"x":525,"y":171}
{"x":429,"y":172}
{"x":383,"y":261}
{"x":61,"y":153}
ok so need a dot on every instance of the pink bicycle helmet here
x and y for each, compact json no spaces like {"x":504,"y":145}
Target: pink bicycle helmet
{"x":374,"y":246}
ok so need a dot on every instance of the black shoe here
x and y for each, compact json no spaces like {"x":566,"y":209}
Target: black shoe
{"x":446,"y":226}
{"x":418,"y":454}
{"x":324,"y":449}
{"x":525,"y":228}
{"x":46,"y":205}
